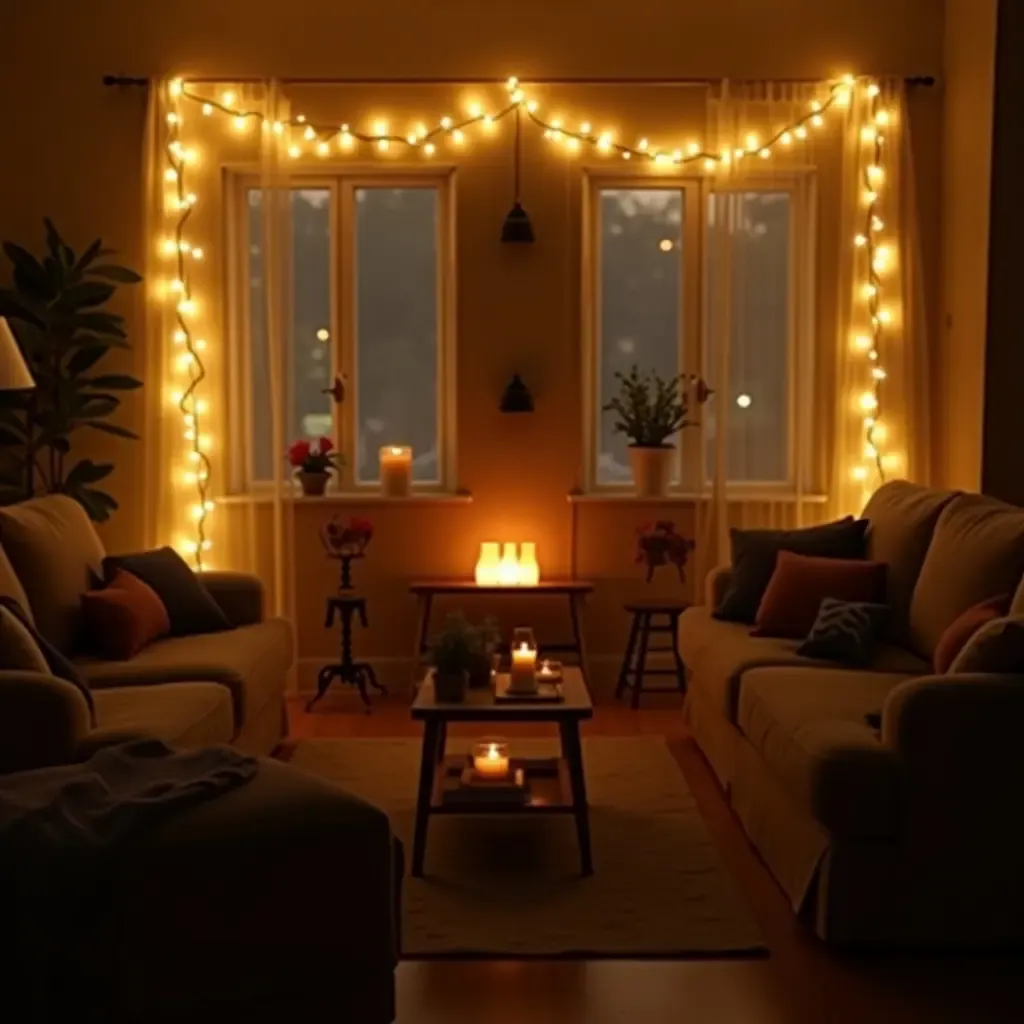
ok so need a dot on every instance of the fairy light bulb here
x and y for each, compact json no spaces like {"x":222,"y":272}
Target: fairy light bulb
{"x":322,"y":149}
{"x":709,"y":164}
{"x":446,"y":123}
{"x":475,"y":110}
{"x":869,"y":291}
{"x":860,"y":241}
{"x":677,"y":155}
{"x":752,"y":142}
{"x":585,"y":128}
{"x":532,"y":106}
{"x":604,"y":142}
{"x":817,"y":121}
{"x":642,"y":145}
{"x":868,"y":402}
{"x":175,"y":87}
{"x":878,"y":373}
{"x":172,"y":118}
{"x":786,"y":138}
{"x":294,"y":152}
{"x":278,"y":128}
{"x":859,"y":473}
{"x":882,"y":118}
{"x":429,"y":149}
{"x":383,"y":145}
{"x":239,"y":123}
{"x":197,"y":252}
{"x":170,"y":174}
{"x":873,"y":90}
{"x":800,"y":132}
{"x":692,"y":148}
{"x":862,"y":342}
{"x":207,"y":109}
{"x":345,"y":140}
{"x":457,"y":137}
{"x":412,"y":138}
{"x":881,"y":260}
{"x":228,"y":98}
{"x":869,"y":133}
{"x":765,"y":153}
{"x":380,"y":128}
{"x":572,"y":144}
{"x":884,"y":316}
{"x":309,"y":134}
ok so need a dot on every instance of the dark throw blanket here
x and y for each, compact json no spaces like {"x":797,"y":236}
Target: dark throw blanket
{"x":63,"y":833}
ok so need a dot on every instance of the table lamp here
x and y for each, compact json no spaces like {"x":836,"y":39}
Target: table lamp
{"x":16,"y":376}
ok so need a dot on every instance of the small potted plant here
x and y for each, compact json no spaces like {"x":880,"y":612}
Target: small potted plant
{"x":650,"y":410}
{"x":487,"y":640}
{"x":313,"y":464}
{"x":451,"y":654}
{"x":658,"y":544}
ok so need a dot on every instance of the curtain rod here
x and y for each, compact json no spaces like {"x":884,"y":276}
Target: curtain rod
{"x":926,"y":81}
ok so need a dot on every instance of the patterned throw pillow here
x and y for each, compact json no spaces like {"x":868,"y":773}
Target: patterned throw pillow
{"x":844,"y":631}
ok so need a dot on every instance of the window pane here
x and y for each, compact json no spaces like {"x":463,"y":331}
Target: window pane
{"x":396,"y":328}
{"x":641,"y":303}
{"x":756,"y":286}
{"x":308,"y":346}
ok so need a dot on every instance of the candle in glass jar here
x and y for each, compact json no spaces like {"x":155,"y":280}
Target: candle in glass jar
{"x":395,"y":471}
{"x":490,"y":760}
{"x":524,"y":664}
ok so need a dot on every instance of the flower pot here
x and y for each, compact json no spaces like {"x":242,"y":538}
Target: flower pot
{"x":449,"y":687}
{"x":313,"y":484}
{"x":652,"y":469}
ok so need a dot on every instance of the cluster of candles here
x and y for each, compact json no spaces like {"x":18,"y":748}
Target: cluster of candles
{"x":515,"y":565}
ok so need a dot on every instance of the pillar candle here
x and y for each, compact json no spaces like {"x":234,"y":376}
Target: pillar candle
{"x":524,"y":663}
{"x":395,"y":471}
{"x":529,"y":570}
{"x":508,"y":568}
{"x":487,"y":564}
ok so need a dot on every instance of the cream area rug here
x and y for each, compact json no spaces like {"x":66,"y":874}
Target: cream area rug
{"x":510,"y":886}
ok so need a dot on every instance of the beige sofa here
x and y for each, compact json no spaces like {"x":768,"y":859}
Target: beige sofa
{"x":910,"y":835}
{"x":192,"y":691}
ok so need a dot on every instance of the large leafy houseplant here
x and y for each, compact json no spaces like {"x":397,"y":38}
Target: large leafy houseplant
{"x":57,"y":310}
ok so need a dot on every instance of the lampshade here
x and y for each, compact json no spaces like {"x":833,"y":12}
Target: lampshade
{"x":14,"y":371}
{"x":517,"y":226}
{"x":516,"y":397}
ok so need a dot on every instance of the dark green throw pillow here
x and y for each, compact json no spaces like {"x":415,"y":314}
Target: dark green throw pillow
{"x":754,"y":553}
{"x":844,"y":631}
{"x":190,"y":606}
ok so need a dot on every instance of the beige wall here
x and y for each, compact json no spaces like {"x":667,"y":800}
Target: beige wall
{"x":967,"y":155}
{"x":77,"y":156}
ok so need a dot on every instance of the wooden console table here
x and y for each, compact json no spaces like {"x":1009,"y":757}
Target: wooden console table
{"x":572,"y":591}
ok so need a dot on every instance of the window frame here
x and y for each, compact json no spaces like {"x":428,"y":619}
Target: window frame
{"x":693,"y":477}
{"x":343,"y":325}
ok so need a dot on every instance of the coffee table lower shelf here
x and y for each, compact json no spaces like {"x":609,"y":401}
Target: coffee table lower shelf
{"x":547,"y":778}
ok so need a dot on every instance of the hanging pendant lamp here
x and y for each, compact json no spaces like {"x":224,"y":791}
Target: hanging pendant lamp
{"x":517,"y":226}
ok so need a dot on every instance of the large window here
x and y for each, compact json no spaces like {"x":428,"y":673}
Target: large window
{"x":362,"y":291}
{"x":686,"y":277}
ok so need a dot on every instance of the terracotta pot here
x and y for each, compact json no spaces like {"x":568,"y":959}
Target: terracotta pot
{"x":652,"y":469}
{"x":449,"y":687}
{"x":313,"y":484}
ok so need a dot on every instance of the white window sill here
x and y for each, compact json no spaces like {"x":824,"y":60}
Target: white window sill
{"x":685,"y":498}
{"x":351,"y":498}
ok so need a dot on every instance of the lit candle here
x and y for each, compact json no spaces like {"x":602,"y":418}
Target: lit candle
{"x":529,"y":570}
{"x":508,"y":567}
{"x":549,"y":671}
{"x":490,"y":760}
{"x":524,"y":664}
{"x":395,"y":471}
{"x":487,"y":564}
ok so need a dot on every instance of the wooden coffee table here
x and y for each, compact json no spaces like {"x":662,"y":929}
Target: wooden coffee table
{"x":562,"y":791}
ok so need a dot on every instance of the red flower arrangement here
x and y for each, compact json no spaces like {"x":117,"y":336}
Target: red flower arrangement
{"x":659,"y":544}
{"x":346,"y":540}
{"x":309,"y":458}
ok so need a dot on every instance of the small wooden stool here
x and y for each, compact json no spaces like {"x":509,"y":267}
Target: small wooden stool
{"x":634,"y":664}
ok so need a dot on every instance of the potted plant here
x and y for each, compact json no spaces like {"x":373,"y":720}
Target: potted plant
{"x":487,"y":640}
{"x":58,"y":306}
{"x":650,"y":410}
{"x":658,"y":544}
{"x":451,"y":654}
{"x":313,"y":464}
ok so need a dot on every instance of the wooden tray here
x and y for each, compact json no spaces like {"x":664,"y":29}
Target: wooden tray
{"x":546,"y":693}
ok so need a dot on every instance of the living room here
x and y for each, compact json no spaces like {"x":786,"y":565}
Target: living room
{"x":426,"y":333}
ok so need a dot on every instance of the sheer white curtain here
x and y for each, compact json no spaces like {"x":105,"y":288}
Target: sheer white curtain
{"x":763,"y":463}
{"x":902,"y":434}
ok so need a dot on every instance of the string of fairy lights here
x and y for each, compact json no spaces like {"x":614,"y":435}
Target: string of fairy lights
{"x":302,"y":138}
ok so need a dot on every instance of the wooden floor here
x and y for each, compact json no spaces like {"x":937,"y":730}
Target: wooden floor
{"x":799,"y":982}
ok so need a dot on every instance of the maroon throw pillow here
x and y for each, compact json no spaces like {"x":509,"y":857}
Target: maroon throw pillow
{"x":963,"y":627}
{"x":801,"y":582}
{"x":123,"y":617}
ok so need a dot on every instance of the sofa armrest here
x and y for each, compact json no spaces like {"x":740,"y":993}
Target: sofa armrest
{"x":239,"y":595}
{"x":716,"y":584}
{"x":42,"y":721}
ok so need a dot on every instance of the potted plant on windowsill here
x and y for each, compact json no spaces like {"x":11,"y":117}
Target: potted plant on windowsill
{"x":650,"y":410}
{"x":451,"y":653}
{"x":313,"y":464}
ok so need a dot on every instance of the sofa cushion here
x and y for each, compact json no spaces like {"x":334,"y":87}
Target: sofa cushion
{"x":18,"y":648}
{"x":251,"y":661}
{"x":56,"y":553}
{"x":977,"y":551}
{"x":800,"y":583}
{"x":902,"y":519}
{"x":180,"y":714}
{"x":809,"y":726}
{"x":10,"y":585}
{"x":998,"y":646}
{"x":754,"y":553}
{"x":718,"y":654}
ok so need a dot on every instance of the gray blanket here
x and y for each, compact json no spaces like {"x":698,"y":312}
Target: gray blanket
{"x":64,"y":832}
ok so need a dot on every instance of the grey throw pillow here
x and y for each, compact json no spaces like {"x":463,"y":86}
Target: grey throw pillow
{"x":754,"y":553}
{"x":844,"y":631}
{"x":997,"y":647}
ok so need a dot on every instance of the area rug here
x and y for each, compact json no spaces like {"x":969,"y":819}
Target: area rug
{"x":510,"y":886}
